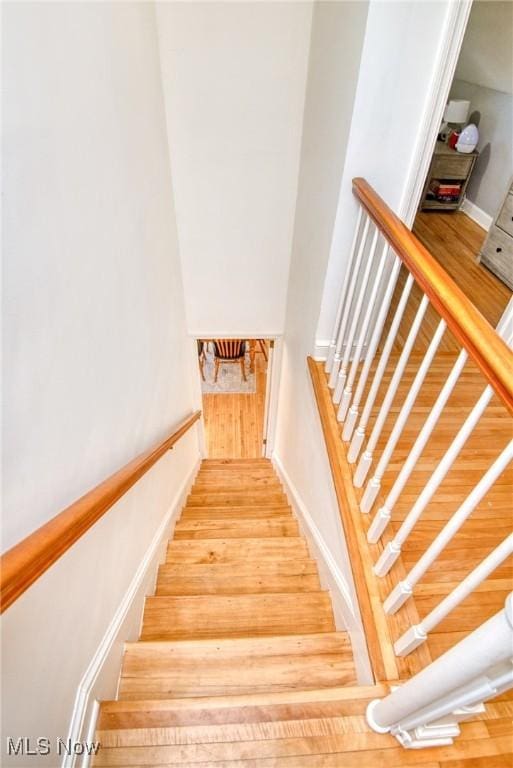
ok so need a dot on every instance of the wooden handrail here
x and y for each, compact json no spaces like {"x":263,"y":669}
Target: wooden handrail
{"x":486,"y":348}
{"x":21,"y":565}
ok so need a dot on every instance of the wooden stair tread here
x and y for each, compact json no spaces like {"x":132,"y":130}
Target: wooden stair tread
{"x":236,"y":550}
{"x":237,"y":499}
{"x":257,"y":473}
{"x":351,"y":749}
{"x":221,"y":529}
{"x":246,"y":480}
{"x":234,"y":512}
{"x":247,"y":647}
{"x":344,"y":696}
{"x":245,"y":665}
{"x":236,"y":615}
{"x":228,"y":465}
{"x":247,"y":487}
{"x":287,"y":567}
{"x":242,"y":585}
{"x":250,"y":578}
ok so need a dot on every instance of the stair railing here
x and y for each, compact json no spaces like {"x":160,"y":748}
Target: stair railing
{"x":24,"y":563}
{"x":362,"y":362}
{"x":425,"y":711}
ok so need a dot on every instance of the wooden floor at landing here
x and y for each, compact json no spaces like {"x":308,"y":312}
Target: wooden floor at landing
{"x":234,"y":422}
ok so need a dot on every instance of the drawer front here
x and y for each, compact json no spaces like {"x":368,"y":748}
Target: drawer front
{"x":497,"y":254}
{"x":457,"y":167}
{"x":505,"y":217}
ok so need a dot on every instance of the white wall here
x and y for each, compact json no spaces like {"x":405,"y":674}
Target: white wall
{"x":486,"y":55}
{"x":399,"y":59}
{"x":234,"y":82}
{"x":493,"y":111}
{"x":484,"y":75}
{"x":95,"y":358}
{"x":336,"y":42}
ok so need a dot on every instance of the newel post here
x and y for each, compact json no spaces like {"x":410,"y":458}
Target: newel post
{"x":425,"y":711}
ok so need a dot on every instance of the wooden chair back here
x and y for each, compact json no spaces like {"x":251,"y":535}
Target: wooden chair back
{"x":229,"y":349}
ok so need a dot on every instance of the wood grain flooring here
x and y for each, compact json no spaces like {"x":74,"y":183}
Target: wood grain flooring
{"x":234,"y":423}
{"x":454,"y":240}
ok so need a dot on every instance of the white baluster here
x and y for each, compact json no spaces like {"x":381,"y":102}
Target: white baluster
{"x":359,"y":435}
{"x":353,"y":414}
{"x":418,"y":633}
{"x":404,"y":589}
{"x":342,"y":374}
{"x":366,"y":458}
{"x":347,"y":306}
{"x":371,"y":300}
{"x":374,"y":484}
{"x":472,"y":671}
{"x":383,"y":515}
{"x":393,"y":548}
{"x":345,"y":283}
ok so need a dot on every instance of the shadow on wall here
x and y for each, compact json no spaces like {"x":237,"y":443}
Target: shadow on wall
{"x":480,"y":168}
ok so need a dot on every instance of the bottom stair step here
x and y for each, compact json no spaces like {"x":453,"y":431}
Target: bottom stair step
{"x":198,"y":616}
{"x":210,"y":731}
{"x":252,"y":707}
{"x":236,"y":666}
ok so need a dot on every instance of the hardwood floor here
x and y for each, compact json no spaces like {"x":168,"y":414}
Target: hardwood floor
{"x":234,"y":422}
{"x":454,"y":240}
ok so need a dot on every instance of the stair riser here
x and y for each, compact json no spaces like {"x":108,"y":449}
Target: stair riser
{"x":239,"y":531}
{"x":240,"y":586}
{"x":224,"y":499}
{"x":237,"y":550}
{"x":168,"y":618}
{"x":234,"y":513}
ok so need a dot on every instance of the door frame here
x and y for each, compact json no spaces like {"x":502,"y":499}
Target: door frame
{"x":271,"y":386}
{"x":458,"y":13}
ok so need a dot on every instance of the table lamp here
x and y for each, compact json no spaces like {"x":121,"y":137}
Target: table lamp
{"x":455,"y":115}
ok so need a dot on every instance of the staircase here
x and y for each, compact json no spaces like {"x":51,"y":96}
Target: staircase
{"x":239,"y":664}
{"x":238,"y":646}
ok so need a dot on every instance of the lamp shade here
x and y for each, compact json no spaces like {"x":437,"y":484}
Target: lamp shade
{"x":457,"y":111}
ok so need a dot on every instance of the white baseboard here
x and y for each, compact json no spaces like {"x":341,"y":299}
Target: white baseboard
{"x":322,"y":347}
{"x":332,"y":578}
{"x":321,"y":350}
{"x":109,"y":652}
{"x":476,"y":214}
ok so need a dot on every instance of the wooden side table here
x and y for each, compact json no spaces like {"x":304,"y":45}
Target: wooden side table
{"x":447,"y":165}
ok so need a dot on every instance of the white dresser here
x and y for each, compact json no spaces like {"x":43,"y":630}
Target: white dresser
{"x":497,"y":250}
